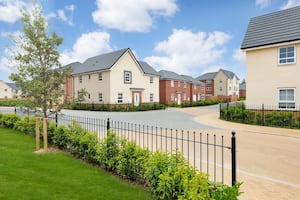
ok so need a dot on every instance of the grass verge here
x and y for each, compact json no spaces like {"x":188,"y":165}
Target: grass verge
{"x":27,"y":175}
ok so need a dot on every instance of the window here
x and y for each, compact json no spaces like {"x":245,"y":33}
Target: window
{"x":80,"y":78}
{"x":286,"y":55}
{"x":229,"y":88}
{"x":120,"y":97}
{"x":184,"y":84}
{"x":184,"y":96}
{"x":151,"y":79}
{"x":172,"y":83}
{"x":286,"y":98}
{"x":89,"y":96}
{"x":221,"y":88}
{"x":127,"y":77}
{"x":172,"y":97}
{"x":89,"y":76}
{"x":195,"y":86}
{"x":151,"y":97}
{"x":208,"y":81}
{"x":221,"y":81}
{"x":209,"y":89}
{"x":100,"y":97}
{"x":5,"y":90}
{"x":100,"y":76}
{"x":178,"y":83}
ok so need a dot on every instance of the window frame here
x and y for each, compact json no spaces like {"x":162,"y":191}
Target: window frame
{"x":286,"y":58}
{"x":100,"y":97}
{"x":287,"y":101}
{"x":120,"y":97}
{"x":151,"y":97}
{"x":100,"y":76}
{"x":172,"y":83}
{"x":151,"y":79}
{"x":80,"y":78}
{"x":129,"y":77}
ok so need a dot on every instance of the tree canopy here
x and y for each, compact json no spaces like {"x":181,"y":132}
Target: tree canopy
{"x":39,"y":72}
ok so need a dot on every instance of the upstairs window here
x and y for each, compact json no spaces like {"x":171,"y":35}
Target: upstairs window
{"x":80,"y":78}
{"x":172,"y":83}
{"x":184,"y":84}
{"x":100,"y":97}
{"x":127,"y":77}
{"x":100,"y":77}
{"x":287,"y":55}
{"x":286,"y":98}
{"x":151,"y":79}
{"x":208,"y":81}
{"x":178,"y":83}
{"x":151,"y":97}
{"x":89,"y":76}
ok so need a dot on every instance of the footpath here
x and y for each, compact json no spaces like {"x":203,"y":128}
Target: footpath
{"x":268,"y":159}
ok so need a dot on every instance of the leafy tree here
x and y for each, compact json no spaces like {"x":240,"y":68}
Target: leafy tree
{"x":82,"y":94}
{"x":39,"y":73}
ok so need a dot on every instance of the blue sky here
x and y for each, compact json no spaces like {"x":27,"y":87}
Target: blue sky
{"x":189,"y":37}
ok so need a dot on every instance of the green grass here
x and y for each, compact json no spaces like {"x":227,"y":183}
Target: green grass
{"x":26,"y":175}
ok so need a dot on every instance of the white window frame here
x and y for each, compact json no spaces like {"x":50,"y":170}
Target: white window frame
{"x":178,"y":84}
{"x":127,"y":77}
{"x":151,"y":97}
{"x":172,"y":83}
{"x":184,"y":84}
{"x":120,"y":97}
{"x":100,"y":77}
{"x":287,"y":57}
{"x":287,"y":101}
{"x":151,"y":79}
{"x":80,"y":78}
{"x":208,"y":81}
{"x":172,"y":97}
{"x":100,"y":97}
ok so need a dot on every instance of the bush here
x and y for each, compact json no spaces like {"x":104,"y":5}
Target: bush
{"x":8,"y":120}
{"x":220,"y":191}
{"x":131,"y":161}
{"x":26,"y":125}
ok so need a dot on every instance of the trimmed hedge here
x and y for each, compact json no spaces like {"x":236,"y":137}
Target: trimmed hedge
{"x":169,"y":175}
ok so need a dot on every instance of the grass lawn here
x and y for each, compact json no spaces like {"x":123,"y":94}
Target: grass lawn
{"x":26,"y":175}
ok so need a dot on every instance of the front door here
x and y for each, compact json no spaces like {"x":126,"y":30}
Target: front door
{"x":136,"y":98}
{"x":178,"y":99}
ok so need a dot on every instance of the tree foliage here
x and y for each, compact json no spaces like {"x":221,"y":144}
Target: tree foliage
{"x":39,"y":72}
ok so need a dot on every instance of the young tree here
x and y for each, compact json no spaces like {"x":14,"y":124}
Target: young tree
{"x":39,"y":73}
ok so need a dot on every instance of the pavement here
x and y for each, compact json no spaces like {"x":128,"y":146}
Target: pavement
{"x":268,"y":159}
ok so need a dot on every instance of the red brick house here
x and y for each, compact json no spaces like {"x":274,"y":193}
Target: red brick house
{"x":177,"y":89}
{"x":208,"y":79}
{"x":68,"y":85}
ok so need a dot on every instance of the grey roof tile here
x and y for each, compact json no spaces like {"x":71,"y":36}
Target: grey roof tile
{"x":169,"y":75}
{"x":273,"y":28}
{"x":207,"y":76}
{"x":101,"y":62}
{"x":192,"y":80}
{"x":147,"y":68}
{"x":12,"y":86}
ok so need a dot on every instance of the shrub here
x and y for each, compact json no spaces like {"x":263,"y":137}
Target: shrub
{"x":61,"y":137}
{"x":131,"y":161}
{"x":220,"y":191}
{"x":26,"y":125}
{"x":8,"y":120}
{"x":109,"y":151}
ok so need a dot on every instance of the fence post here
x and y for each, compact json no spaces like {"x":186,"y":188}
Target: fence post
{"x":220,"y":108}
{"x":15,"y":110}
{"x":107,"y":125}
{"x":227,"y":115}
{"x":233,"y":158}
{"x":56,"y":119}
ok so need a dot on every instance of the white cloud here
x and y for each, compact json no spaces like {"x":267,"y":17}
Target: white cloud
{"x":239,"y":55}
{"x":263,"y":3}
{"x":132,"y":15}
{"x":10,"y":10}
{"x":87,"y":45}
{"x":61,"y":14}
{"x":290,"y":4}
{"x":184,"y":51}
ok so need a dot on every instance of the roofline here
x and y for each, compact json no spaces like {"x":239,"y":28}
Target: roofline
{"x":270,"y":44}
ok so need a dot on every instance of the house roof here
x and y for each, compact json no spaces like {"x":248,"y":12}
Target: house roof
{"x":147,"y":69}
{"x":229,"y":74}
{"x":101,"y":62}
{"x":207,"y":76}
{"x":169,"y":75}
{"x":273,"y":28}
{"x":73,"y":65}
{"x":242,"y":86}
{"x":12,"y":85}
{"x":192,"y":80}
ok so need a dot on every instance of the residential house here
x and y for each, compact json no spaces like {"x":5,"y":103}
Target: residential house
{"x":116,"y":78}
{"x":177,"y":89}
{"x":242,"y":88}
{"x":68,"y":84}
{"x":9,"y":90}
{"x":197,"y":88}
{"x":272,"y":46}
{"x":208,"y":80}
{"x":226,"y":83}
{"x":223,"y":84}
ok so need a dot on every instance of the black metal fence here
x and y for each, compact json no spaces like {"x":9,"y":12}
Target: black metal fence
{"x":264,"y":115}
{"x":210,"y":153}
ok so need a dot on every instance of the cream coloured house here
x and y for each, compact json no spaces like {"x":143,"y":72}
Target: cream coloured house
{"x":116,"y":78}
{"x":9,"y":90}
{"x":272,"y":46}
{"x":226,"y":83}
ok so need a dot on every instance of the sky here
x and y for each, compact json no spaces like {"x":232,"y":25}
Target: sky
{"x":189,"y":37}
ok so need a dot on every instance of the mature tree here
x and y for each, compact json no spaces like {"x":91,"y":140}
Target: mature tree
{"x":39,"y":73}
